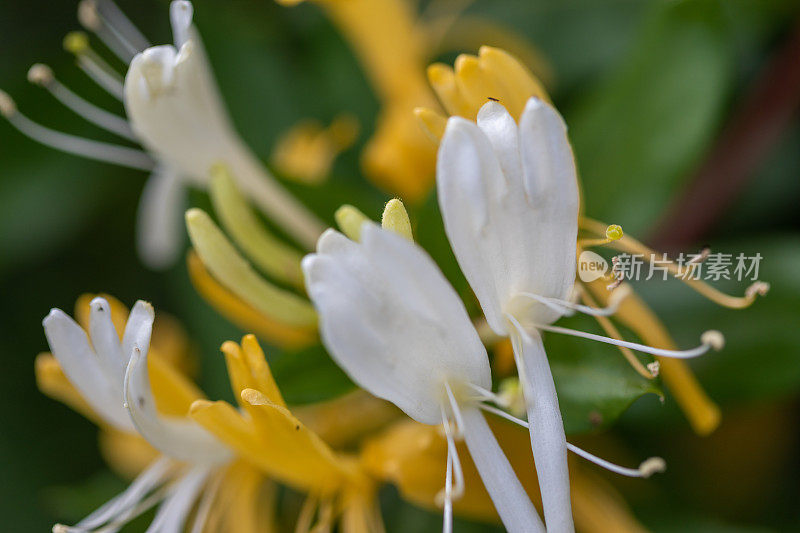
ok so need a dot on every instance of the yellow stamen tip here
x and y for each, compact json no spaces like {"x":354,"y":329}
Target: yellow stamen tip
{"x":652,"y":466}
{"x":349,"y":219}
{"x":395,"y":218}
{"x":76,"y":42}
{"x":713,"y":338}
{"x":614,"y":232}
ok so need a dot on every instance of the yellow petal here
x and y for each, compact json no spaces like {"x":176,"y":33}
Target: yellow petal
{"x":395,"y":218}
{"x":443,"y":80}
{"x":244,"y":315}
{"x":233,"y":271}
{"x":51,"y":381}
{"x":270,"y":254}
{"x":475,"y":85}
{"x":173,"y":392}
{"x":520,"y":84}
{"x":432,"y":122}
{"x":248,"y":369}
{"x":245,"y":502}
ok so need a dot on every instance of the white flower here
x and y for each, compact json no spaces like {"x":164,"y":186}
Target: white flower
{"x":393,"y":323}
{"x":174,"y":110}
{"x":112,"y":377}
{"x":509,"y":198}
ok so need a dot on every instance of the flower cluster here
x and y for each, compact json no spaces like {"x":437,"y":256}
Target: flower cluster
{"x":435,"y":416}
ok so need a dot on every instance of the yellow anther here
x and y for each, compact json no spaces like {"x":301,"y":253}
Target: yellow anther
{"x":395,"y":218}
{"x":76,"y":42}
{"x":349,"y":219}
{"x":40,"y":74}
{"x":511,"y":396}
{"x":7,"y":105}
{"x":431,"y":122}
{"x":614,"y":232}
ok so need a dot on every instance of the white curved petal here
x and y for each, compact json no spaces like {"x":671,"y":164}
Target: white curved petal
{"x":80,"y":364}
{"x":391,"y":320}
{"x":159,"y":229}
{"x":105,"y":340}
{"x":179,"y":438}
{"x":138,"y":329}
{"x":509,"y":201}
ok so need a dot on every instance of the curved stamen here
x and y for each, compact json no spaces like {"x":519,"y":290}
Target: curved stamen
{"x":614,"y":302}
{"x":451,"y":446}
{"x":100,"y":151}
{"x":632,"y":246}
{"x":42,"y":75}
{"x":711,"y":339}
{"x":647,"y":468}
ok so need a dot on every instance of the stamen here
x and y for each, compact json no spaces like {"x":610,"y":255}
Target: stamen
{"x":458,"y":491}
{"x":96,"y":18}
{"x":42,"y":75}
{"x":647,"y":468}
{"x":711,"y":339}
{"x":560,"y":305}
{"x":93,"y":65}
{"x":100,"y":151}
{"x":612,"y":331}
{"x":613,"y":233}
{"x":632,"y":246}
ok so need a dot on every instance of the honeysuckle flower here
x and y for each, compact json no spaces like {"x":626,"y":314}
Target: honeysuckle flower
{"x":394,"y":324}
{"x":175,"y":112}
{"x":112,"y":377}
{"x":412,"y":455}
{"x":265,"y":433}
{"x":393,"y":44}
{"x":509,"y":199}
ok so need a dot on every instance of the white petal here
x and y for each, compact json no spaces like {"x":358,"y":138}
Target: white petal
{"x":505,"y":239}
{"x":392,"y":321}
{"x":548,"y":442}
{"x":80,"y":364}
{"x":138,"y":330}
{"x":179,"y":438}
{"x":105,"y":340}
{"x":510,"y":499}
{"x":172,"y":514}
{"x":160,"y":230}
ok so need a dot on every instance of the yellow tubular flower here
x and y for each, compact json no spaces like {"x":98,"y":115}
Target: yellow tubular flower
{"x":411,"y":455}
{"x":267,"y":435}
{"x":702,"y":412}
{"x":307,"y":151}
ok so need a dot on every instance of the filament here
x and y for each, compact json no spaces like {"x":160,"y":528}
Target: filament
{"x":561,"y":305}
{"x":86,"y":110}
{"x":647,"y":468}
{"x":111,"y":25}
{"x":100,"y":151}
{"x":710,"y":339}
{"x":451,"y":445}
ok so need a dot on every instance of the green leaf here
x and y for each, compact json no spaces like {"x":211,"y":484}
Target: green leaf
{"x":638,"y":135}
{"x":595,"y":384}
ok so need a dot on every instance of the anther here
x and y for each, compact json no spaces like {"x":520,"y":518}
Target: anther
{"x":653,"y":465}
{"x":714,"y":339}
{"x":40,"y":74}
{"x":88,"y":15}
{"x":614,"y":232}
{"x":654,"y":368}
{"x":76,"y":42}
{"x":760,"y":288}
{"x":7,"y":105}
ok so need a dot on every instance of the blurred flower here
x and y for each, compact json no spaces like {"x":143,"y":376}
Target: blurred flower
{"x":174,"y":110}
{"x":307,"y":151}
{"x":394,"y":44}
{"x":111,"y":380}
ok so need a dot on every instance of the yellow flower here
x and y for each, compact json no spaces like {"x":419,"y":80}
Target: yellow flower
{"x":267,"y":435}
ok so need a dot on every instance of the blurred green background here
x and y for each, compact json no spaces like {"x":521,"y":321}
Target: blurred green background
{"x":646,"y":88}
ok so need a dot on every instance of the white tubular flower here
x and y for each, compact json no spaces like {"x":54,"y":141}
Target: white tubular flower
{"x":175,"y":109}
{"x":509,"y":198}
{"x":393,"y":323}
{"x":112,"y":377}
